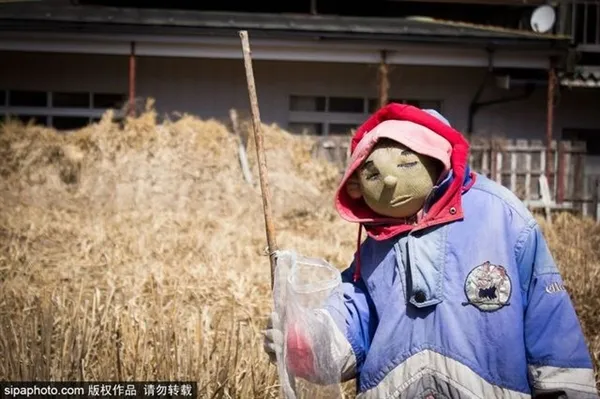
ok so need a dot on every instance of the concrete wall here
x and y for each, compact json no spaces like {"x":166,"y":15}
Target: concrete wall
{"x":209,"y":88}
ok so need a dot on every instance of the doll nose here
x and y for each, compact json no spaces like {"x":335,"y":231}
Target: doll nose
{"x":390,"y":181}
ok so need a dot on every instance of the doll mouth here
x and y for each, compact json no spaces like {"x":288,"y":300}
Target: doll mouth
{"x":401,"y":200}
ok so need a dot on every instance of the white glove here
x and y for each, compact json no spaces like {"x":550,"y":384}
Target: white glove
{"x":273,"y":338}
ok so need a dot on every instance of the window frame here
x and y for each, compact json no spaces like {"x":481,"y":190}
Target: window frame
{"x":327,"y":118}
{"x":47,"y":113}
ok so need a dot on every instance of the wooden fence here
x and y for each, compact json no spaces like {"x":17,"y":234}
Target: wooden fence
{"x":335,"y":149}
{"x":516,"y":164}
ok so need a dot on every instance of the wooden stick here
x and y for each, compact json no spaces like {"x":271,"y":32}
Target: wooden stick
{"x":260,"y":152}
{"x":262,"y":165}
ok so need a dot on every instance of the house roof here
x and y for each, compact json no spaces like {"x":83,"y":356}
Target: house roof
{"x":584,"y":76}
{"x":100,"y":19}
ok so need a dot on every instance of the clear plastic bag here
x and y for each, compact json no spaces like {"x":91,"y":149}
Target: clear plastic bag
{"x":302,"y":287}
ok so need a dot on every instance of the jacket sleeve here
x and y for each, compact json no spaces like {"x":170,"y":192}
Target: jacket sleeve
{"x":335,"y":337}
{"x":356,"y":319}
{"x":558,"y":359}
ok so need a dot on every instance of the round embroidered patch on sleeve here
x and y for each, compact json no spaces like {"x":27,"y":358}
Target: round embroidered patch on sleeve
{"x":488,"y":287}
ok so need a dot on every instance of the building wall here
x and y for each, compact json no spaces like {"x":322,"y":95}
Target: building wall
{"x":209,"y":88}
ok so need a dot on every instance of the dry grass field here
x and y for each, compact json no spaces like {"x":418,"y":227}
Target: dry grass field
{"x":137,"y":253}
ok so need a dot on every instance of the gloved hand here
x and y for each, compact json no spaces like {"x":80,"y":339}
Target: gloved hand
{"x":273,"y":338}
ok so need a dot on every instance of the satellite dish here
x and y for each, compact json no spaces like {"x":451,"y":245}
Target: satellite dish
{"x":542,"y":19}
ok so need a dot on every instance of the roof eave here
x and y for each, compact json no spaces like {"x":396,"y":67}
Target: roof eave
{"x":398,"y":28}
{"x":520,"y":43}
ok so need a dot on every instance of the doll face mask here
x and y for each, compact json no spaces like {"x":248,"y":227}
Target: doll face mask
{"x":393,"y":180}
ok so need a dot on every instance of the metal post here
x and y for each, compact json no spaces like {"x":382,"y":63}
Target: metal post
{"x":384,"y":83}
{"x":550,"y":121}
{"x":132,"y":80}
{"x":579,"y":195}
{"x":597,"y":199}
{"x":560,"y":194}
{"x":493,"y":160}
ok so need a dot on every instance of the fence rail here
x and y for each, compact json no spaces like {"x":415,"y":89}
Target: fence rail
{"x":517,"y":165}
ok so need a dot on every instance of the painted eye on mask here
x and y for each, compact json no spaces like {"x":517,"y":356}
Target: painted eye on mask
{"x":373,"y":176}
{"x":408,"y":164}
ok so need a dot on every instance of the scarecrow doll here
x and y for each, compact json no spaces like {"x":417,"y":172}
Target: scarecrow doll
{"x":454,"y":292}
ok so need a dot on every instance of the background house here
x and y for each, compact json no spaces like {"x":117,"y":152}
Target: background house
{"x":316,"y":63}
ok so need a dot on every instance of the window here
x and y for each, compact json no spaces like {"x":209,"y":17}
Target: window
{"x":69,"y":122}
{"x":320,"y":115}
{"x":307,"y":104}
{"x":345,"y":104}
{"x":71,"y":100}
{"x":22,"y":98}
{"x":591,"y":137}
{"x":105,"y":100}
{"x":306,"y":128}
{"x":62,"y":110}
{"x":423,"y":104}
{"x":436,"y":105}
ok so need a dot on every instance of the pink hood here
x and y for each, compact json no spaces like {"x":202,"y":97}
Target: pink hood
{"x":425,"y":132}
{"x":414,"y":136}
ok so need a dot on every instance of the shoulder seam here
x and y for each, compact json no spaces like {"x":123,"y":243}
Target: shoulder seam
{"x":525,"y":218}
{"x":522,"y":238}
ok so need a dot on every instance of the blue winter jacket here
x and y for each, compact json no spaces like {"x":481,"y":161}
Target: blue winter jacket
{"x":472,"y":307}
{"x":415,"y":327}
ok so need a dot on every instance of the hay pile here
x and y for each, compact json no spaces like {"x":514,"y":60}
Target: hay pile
{"x":137,"y":253}
{"x":575,"y":245}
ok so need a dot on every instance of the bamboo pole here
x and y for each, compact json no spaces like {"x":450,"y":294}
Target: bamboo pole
{"x":260,"y":152}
